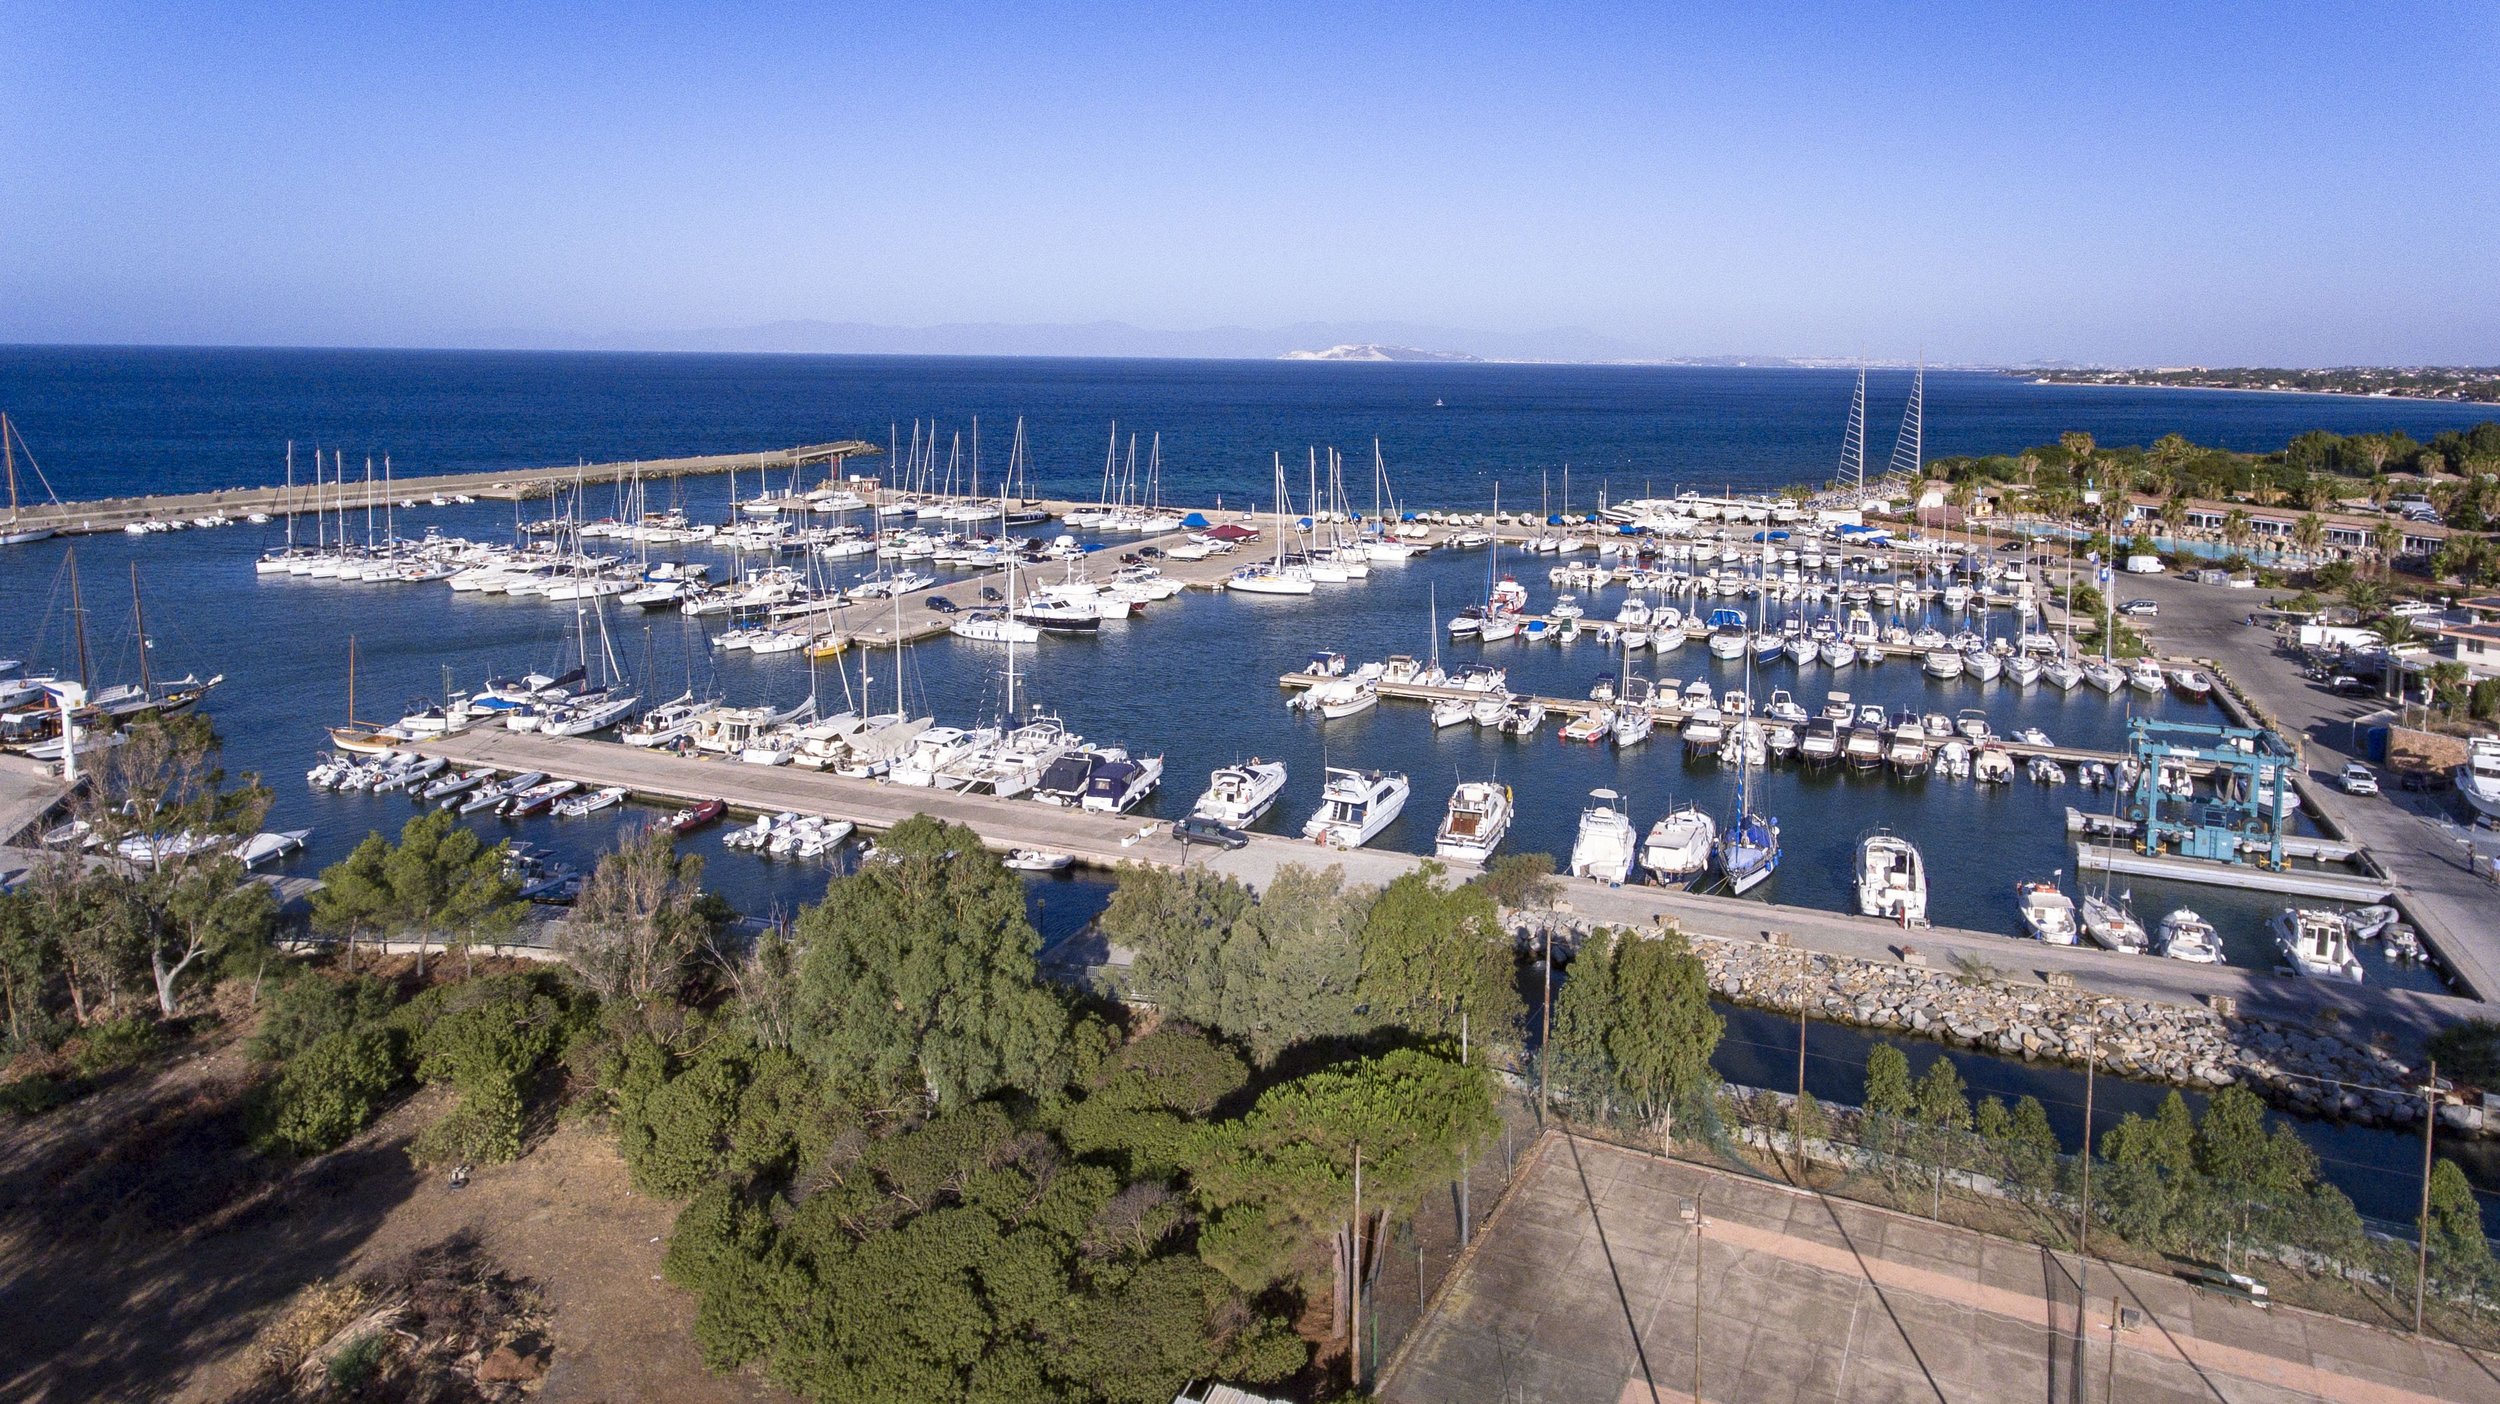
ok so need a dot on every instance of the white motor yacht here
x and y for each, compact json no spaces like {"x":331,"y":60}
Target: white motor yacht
{"x":2478,"y":779}
{"x":1355,"y":805}
{"x":1606,"y":848}
{"x":1478,"y":817}
{"x":1338,"y":698}
{"x":1892,"y":879}
{"x":2147,"y":676}
{"x":2317,"y":944}
{"x":1238,"y":795}
{"x":1944,"y":663}
{"x":1678,"y":848}
{"x":2189,"y":937}
{"x":1451,"y":711}
{"x":2048,"y":913}
{"x":1118,"y":786}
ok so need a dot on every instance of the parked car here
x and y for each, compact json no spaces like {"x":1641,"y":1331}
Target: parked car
{"x":2412,"y":609}
{"x":2140,"y":607}
{"x":1195,"y":828}
{"x":2230,"y":1284}
{"x":2357,"y":779}
{"x":990,"y":595}
{"x":2351,"y":686}
{"x":941,"y":604}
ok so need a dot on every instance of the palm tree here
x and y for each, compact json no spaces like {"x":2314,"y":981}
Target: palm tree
{"x":2309,"y":533}
{"x":2235,"y":527}
{"x":2386,"y":538}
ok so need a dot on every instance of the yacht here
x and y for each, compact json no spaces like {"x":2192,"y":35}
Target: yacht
{"x":1606,"y":848}
{"x":667,"y":722}
{"x":1677,"y":851}
{"x":2478,"y":779}
{"x":2317,"y":944}
{"x":2062,"y":674}
{"x":2187,"y":936}
{"x":1355,"y":805}
{"x":993,"y":626}
{"x":1338,"y":698}
{"x":932,"y":752}
{"x":1944,"y":663}
{"x":1749,"y":851}
{"x":1450,"y":711}
{"x":2191,"y":684}
{"x":1728,"y":635}
{"x":1892,"y":879}
{"x":2112,"y":925}
{"x":2146,"y":676}
{"x":1239,"y":795}
{"x":2105,"y":675}
{"x":2048,"y":913}
{"x":1479,"y":816}
{"x":1118,"y":786}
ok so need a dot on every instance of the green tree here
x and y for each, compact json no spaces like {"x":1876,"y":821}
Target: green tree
{"x":439,"y":879}
{"x":2309,"y":533}
{"x":486,"y":1038}
{"x":1889,"y":1103}
{"x":332,"y":1089}
{"x":1432,"y":954}
{"x":1521,"y":881}
{"x":1664,"y":1030}
{"x":2460,"y":1255}
{"x":1271,"y":971}
{"x":1944,"y":1121}
{"x":918,"y":976}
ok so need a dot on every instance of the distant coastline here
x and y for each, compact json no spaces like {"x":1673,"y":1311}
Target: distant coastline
{"x":2448,"y":384}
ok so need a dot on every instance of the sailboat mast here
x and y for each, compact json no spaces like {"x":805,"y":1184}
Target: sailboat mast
{"x":289,"y":499}
{"x":78,"y":618}
{"x":139,"y":625}
{"x":8,"y":454}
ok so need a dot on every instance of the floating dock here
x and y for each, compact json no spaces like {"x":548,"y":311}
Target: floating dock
{"x":2339,"y":887}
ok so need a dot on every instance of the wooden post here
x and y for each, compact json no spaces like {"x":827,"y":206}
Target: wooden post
{"x":1696,"y":1295}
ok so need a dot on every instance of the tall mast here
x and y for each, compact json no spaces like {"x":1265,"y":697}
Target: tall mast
{"x":8,"y":454}
{"x":1908,"y":451}
{"x":139,"y":624}
{"x":78,"y":617}
{"x":289,"y":499}
{"x":1853,"y":443}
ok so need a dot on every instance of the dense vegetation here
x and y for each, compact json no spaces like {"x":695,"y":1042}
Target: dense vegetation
{"x":2473,"y":383}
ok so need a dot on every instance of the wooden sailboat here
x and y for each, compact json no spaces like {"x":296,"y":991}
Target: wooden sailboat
{"x":16,"y":530}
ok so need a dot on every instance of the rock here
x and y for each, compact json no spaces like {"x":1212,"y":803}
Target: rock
{"x":518,"y":1362}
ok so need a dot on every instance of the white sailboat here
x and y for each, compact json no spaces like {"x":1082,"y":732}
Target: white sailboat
{"x":1278,"y":577}
{"x":17,"y":531}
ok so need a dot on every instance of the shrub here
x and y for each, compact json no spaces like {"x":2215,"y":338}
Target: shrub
{"x":331,"y":1090}
{"x":115,"y":1044}
{"x":305,"y":1009}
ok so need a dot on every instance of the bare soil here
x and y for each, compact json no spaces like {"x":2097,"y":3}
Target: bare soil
{"x":143,"y":1245}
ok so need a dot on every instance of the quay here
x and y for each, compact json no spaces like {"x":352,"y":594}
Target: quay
{"x":115,"y":513}
{"x":1105,"y":841}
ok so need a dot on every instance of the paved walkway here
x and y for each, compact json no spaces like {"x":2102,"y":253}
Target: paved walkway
{"x":1583,"y":1288}
{"x":28,"y":791}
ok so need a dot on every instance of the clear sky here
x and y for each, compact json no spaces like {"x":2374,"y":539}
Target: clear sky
{"x":2275,"y":182}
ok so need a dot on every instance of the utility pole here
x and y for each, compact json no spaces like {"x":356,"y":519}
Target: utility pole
{"x":2109,"y":1385}
{"x":2083,"y":1220}
{"x":1354,"y":1345}
{"x":1797,"y":1125}
{"x":1545,"y":1029}
{"x":1697,"y":1295}
{"x":1464,"y":1161}
{"x":2422,"y":1251}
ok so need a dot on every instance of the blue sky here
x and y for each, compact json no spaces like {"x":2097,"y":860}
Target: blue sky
{"x":2226,"y":184}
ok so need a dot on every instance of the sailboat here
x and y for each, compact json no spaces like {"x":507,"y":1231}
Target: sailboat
{"x":16,"y":531}
{"x":1749,"y":851}
{"x":1278,"y":577}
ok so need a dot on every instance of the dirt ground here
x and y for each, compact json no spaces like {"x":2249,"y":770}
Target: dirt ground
{"x":142,"y":1244}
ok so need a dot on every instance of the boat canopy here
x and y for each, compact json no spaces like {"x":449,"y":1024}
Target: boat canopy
{"x":1725,"y":619}
{"x":1195,"y":521}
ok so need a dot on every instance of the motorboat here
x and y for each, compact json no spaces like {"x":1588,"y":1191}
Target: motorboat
{"x":1590,"y":726}
{"x":2112,"y":925}
{"x":1606,"y":848}
{"x":1521,"y":718}
{"x":264,"y":847}
{"x":581,"y":806}
{"x":1892,"y":879}
{"x":1990,"y":764}
{"x":2191,"y":684}
{"x":932,"y":752}
{"x":2048,"y":913}
{"x":1240,"y":795}
{"x":667,"y":722}
{"x":451,"y":785}
{"x":1034,"y":860}
{"x":1355,"y":805}
{"x":1864,"y":749}
{"x":2146,"y":676}
{"x":536,"y":799}
{"x":1120,"y":785}
{"x":1478,"y":817}
{"x":2186,"y":936}
{"x":1451,"y":711}
{"x":1677,"y":851}
{"x":1338,"y":698}
{"x":2316,"y":943}
{"x":489,"y":796}
{"x":1943,"y":663}
{"x":2478,"y":779}
{"x":1821,"y":743}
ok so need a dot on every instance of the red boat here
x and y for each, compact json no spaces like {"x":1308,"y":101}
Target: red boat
{"x":686,"y":821}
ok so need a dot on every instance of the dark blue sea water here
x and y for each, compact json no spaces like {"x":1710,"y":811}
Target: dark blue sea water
{"x":110,"y":420}
{"x":1193,"y":680}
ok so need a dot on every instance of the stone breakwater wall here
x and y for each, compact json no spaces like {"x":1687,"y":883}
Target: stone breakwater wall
{"x":2316,"y":1071}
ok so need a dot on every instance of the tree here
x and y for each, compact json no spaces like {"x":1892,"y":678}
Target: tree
{"x":332,"y":1088}
{"x":2459,"y":1254}
{"x":2469,"y":1051}
{"x":1431,"y":955}
{"x":2309,"y":533}
{"x":2385,"y":539}
{"x":1944,"y":1119}
{"x":1890,"y":1100}
{"x":2235,"y":527}
{"x":918,"y":976}
{"x":1521,"y":881}
{"x":638,"y":921}
{"x":485,"y":1037}
{"x":159,"y":802}
{"x":1664,"y":1029}
{"x":1272,"y":971}
{"x":440,"y":879}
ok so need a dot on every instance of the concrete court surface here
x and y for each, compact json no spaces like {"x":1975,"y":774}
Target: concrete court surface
{"x":1582,"y":1290}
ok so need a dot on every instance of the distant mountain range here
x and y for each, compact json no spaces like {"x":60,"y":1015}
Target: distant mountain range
{"x":1373,"y":351}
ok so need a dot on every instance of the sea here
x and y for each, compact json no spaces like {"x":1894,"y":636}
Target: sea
{"x":1193,"y":680}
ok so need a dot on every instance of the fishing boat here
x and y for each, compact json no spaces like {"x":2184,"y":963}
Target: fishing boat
{"x":1892,"y":879}
{"x":2112,"y":924}
{"x":1239,"y":795}
{"x":1479,"y":815}
{"x":2048,"y":913}
{"x":2186,"y":936}
{"x":1606,"y":848}
{"x":1355,"y":805}
{"x":1678,"y":849}
{"x":2316,"y":943}
{"x":2191,"y":684}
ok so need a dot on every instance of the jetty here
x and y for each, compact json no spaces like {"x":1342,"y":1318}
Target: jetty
{"x":1104,"y":841}
{"x":513,"y":485}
